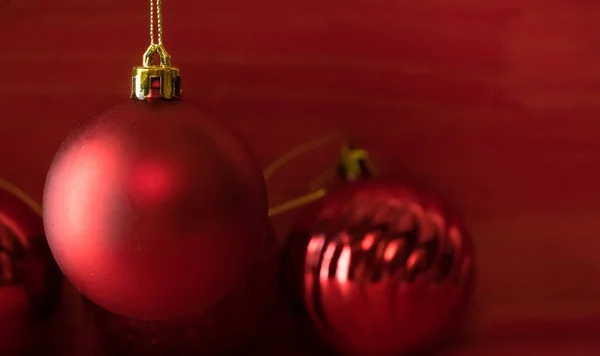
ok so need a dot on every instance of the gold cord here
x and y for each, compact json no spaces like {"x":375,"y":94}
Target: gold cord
{"x":159,"y":21}
{"x":21,"y":195}
{"x":354,"y":162}
{"x":287,"y":158}
{"x":158,"y":5}
{"x":151,"y":22}
{"x":298,"y":151}
{"x":297,"y":202}
{"x":145,"y":75}
{"x":323,"y":179}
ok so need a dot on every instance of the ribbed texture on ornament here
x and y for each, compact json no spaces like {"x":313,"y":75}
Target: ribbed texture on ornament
{"x":388,"y":238}
{"x":381,"y":269}
{"x":226,"y":329}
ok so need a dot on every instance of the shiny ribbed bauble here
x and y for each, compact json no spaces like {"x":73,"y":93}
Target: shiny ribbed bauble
{"x":379,"y":268}
{"x":153,"y":211}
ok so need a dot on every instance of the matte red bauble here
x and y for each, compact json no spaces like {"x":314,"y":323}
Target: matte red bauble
{"x":380,"y":269}
{"x":153,"y":211}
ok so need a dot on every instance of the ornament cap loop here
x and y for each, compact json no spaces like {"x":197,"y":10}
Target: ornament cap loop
{"x":154,"y":49}
{"x":144,"y":76}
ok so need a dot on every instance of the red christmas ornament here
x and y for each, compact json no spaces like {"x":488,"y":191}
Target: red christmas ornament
{"x":379,"y":268}
{"x":29,"y":278}
{"x":25,"y":259}
{"x":151,"y":210}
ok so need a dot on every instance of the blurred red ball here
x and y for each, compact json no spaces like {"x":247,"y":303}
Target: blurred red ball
{"x":154,"y":211}
{"x":29,"y":278}
{"x":379,"y":268}
{"x":25,"y":258}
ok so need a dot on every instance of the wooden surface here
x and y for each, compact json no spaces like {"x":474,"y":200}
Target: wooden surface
{"x":494,"y":105}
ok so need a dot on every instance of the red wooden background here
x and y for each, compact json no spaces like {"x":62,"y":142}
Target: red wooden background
{"x":493,"y":104}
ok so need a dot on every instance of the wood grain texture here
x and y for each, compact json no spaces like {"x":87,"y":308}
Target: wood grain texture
{"x":495,"y":105}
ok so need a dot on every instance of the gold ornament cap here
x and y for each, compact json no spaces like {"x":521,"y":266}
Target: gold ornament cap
{"x":144,"y":76}
{"x":355,"y":163}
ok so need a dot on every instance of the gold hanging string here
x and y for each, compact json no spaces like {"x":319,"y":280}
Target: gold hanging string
{"x":354,"y":164}
{"x":159,"y":20}
{"x":323,"y":178}
{"x":148,"y":73}
{"x":286,"y":158}
{"x":156,"y":45}
{"x":297,"y":202}
{"x":297,"y":151}
{"x":151,"y":22}
{"x":21,"y":195}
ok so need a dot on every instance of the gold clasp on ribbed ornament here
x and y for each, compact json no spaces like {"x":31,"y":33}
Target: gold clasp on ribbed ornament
{"x":355,"y":163}
{"x":170,"y":80}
